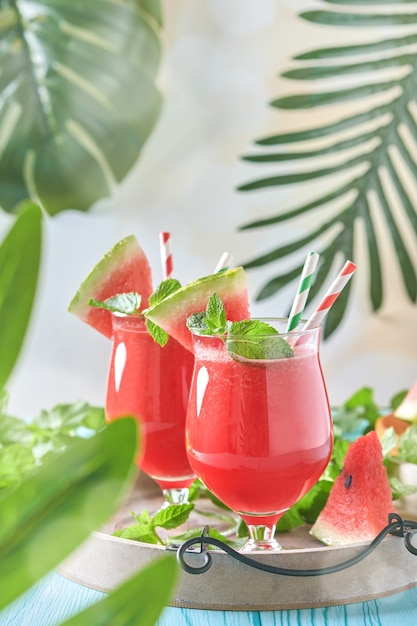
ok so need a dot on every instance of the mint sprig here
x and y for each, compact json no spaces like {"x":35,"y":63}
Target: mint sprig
{"x":212,"y":321}
{"x":197,"y":324}
{"x":216,"y":315}
{"x":165,"y":288}
{"x":157,"y":333}
{"x":27,"y":443}
{"x":145,"y":526}
{"x":253,"y":339}
{"x":125,"y":303}
{"x":245,"y":340}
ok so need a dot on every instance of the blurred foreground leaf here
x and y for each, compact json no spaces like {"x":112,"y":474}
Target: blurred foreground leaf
{"x":20,"y":255}
{"x":138,"y":602}
{"x":26,"y":444}
{"x":46,"y":516}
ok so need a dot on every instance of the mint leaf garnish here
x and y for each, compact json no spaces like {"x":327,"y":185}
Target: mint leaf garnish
{"x":165,"y":288}
{"x":212,"y":321}
{"x":253,"y":339}
{"x":197,"y":324}
{"x":157,"y":333}
{"x":215,"y":315}
{"x":249,"y":328}
{"x":248,"y":339}
{"x":126,"y":303}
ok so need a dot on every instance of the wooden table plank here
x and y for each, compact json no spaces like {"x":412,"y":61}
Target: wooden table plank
{"x":56,"y":598}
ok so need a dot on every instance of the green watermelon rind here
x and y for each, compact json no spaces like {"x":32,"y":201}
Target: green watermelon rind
{"x":122,"y":253}
{"x":327,"y":534}
{"x":174,"y":310}
{"x":100,"y":273}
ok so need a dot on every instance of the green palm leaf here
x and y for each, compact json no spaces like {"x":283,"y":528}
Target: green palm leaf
{"x":20,"y":256}
{"x":78,"y":97}
{"x":365,"y":185}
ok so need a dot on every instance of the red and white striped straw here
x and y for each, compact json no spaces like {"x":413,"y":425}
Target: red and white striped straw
{"x":304,"y":285}
{"x":166,"y":255}
{"x":224,"y":262}
{"x":331,"y":295}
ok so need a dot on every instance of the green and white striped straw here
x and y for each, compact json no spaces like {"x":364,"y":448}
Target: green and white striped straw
{"x":304,"y":285}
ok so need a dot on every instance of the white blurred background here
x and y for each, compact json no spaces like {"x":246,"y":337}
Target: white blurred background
{"x":220,"y":69}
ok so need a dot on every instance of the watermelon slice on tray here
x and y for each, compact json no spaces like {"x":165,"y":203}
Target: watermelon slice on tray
{"x":401,"y":419}
{"x":407,"y":410}
{"x":125,"y":268}
{"x":360,"y":501}
{"x":171,"y":313}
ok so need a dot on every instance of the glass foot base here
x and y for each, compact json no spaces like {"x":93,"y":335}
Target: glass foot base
{"x":264,"y":546}
{"x":175,"y":496}
{"x":262,"y":538}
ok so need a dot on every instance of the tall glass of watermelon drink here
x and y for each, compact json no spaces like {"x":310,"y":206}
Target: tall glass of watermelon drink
{"x":152,"y":383}
{"x":259,"y":431}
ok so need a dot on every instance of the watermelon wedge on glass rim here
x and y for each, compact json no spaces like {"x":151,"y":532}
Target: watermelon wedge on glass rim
{"x":172,"y":312}
{"x":125,"y":268}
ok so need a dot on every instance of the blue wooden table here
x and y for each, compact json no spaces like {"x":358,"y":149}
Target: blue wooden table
{"x":56,"y":598}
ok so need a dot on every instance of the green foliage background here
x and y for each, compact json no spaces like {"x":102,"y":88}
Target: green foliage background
{"x":363,"y":158}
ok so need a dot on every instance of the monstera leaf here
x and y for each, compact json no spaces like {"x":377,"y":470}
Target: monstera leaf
{"x":368,"y":95}
{"x":78,"y":97}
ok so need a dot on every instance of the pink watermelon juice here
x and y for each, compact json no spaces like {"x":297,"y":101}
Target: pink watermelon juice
{"x":152,"y":384}
{"x":259,"y":433}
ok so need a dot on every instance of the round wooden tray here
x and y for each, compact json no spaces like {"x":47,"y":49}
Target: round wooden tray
{"x":103,"y":562}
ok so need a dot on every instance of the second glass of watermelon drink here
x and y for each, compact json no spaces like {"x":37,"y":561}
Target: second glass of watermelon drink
{"x":152,"y":383}
{"x":259,"y":431}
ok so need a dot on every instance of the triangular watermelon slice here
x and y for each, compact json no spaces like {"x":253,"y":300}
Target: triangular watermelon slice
{"x":125,"y":268}
{"x":360,"y":500}
{"x":171,"y":313}
{"x":407,"y":410}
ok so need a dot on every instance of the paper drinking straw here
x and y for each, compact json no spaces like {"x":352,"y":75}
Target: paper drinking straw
{"x":331,"y":295}
{"x":304,"y":285}
{"x":166,"y":255}
{"x":224,"y":262}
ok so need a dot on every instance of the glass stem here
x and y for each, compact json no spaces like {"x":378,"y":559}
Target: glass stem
{"x":176,"y":496}
{"x":261,"y":538}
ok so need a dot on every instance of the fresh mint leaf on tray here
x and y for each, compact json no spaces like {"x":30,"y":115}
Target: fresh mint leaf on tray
{"x":146,"y":526}
{"x":27,"y":443}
